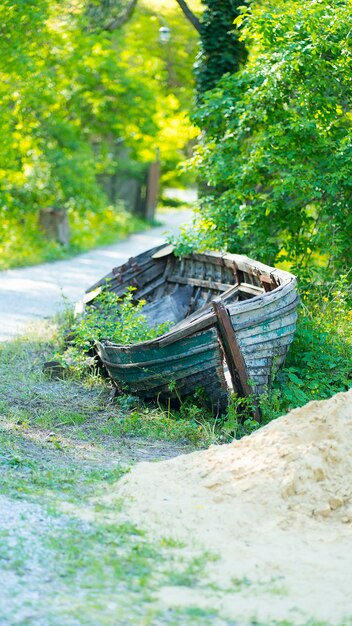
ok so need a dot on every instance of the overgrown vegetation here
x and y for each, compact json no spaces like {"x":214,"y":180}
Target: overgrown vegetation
{"x":83,"y":108}
{"x":120,"y":320}
{"x":318,"y":365}
{"x":68,"y":553}
{"x":220,"y":50}
{"x":277,"y":140}
{"x":275,"y":156}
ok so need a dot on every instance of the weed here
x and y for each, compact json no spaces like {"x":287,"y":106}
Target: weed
{"x":191,"y":573}
{"x":158,"y":424}
{"x":120,"y":320}
{"x":28,"y":246}
{"x":319,"y":362}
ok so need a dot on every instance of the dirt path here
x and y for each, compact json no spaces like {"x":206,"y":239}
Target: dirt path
{"x":30,"y":293}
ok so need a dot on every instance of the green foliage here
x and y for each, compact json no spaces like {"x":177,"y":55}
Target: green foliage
{"x":190,"y":240}
{"x":239,"y":420}
{"x":110,"y":318}
{"x":21,"y":243}
{"x":161,"y":425}
{"x":221,"y":50}
{"x":277,"y":148}
{"x":319,"y":363}
{"x":79,"y":106}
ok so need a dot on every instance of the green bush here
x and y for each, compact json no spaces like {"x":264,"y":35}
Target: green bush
{"x":220,"y":51}
{"x":276,"y":154}
{"x":109,"y":318}
{"x":319,"y":362}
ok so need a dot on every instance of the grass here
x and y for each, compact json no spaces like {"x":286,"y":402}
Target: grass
{"x":22,"y":244}
{"x":69,"y":554}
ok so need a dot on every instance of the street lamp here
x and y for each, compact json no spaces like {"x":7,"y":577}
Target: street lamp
{"x":164,"y":34}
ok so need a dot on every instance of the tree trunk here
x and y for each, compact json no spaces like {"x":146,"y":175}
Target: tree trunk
{"x":189,"y":14}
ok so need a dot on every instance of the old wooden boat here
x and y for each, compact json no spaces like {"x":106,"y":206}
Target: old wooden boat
{"x":232,"y":316}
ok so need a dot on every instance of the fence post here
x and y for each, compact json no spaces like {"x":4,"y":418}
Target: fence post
{"x":152,"y":189}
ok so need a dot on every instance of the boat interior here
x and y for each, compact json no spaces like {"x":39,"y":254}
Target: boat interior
{"x":176,"y":289}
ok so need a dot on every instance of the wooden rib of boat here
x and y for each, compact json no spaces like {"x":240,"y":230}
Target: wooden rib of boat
{"x":230,"y":313}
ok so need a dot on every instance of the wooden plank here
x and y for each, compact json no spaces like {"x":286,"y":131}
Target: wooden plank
{"x":202,"y":319}
{"x":141,"y":259}
{"x":216,"y":396}
{"x":270,"y":325}
{"x":198,"y":282}
{"x":227,"y":296}
{"x":163,"y":360}
{"x":154,"y":380}
{"x":143,"y":274}
{"x":212,"y":258}
{"x":259,"y":380}
{"x":91,"y":295}
{"x":234,"y":358}
{"x":263,"y":300}
{"x":149,"y":274}
{"x":268,"y":348}
{"x":265,"y":338}
{"x":142,"y":293}
{"x":205,"y":322}
{"x":270,"y":315}
{"x":251,"y":289}
{"x":154,"y":349}
{"x":165,"y":251}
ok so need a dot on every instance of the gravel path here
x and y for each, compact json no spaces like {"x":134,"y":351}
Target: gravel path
{"x":30,"y":293}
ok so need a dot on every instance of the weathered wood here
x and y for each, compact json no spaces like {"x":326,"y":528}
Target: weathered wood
{"x":269,"y":348}
{"x":234,"y":358}
{"x":279,"y":312}
{"x":198,"y":282}
{"x":170,"y":307}
{"x":261,"y":302}
{"x":153,"y":184}
{"x":252,"y":290}
{"x":269,"y":327}
{"x":197,"y":359}
{"x":165,"y":251}
{"x":160,"y":362}
{"x":55,"y":225}
{"x":143,"y":260}
{"x":143,"y":293}
{"x":252,"y":323}
{"x":265,"y":338}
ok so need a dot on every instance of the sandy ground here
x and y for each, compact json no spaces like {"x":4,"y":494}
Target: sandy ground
{"x":276,"y":509}
{"x":31,"y":293}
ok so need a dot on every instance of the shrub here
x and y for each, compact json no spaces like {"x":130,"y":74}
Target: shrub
{"x":110,"y":318}
{"x":319,"y":362}
{"x":277,"y":140}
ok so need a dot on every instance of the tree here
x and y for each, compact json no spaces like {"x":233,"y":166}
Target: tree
{"x":221,"y":50}
{"x":279,"y":140}
{"x":109,"y":14}
{"x":190,"y":15}
{"x":72,"y":96}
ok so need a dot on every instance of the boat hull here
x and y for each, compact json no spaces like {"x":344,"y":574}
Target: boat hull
{"x":249,"y":330}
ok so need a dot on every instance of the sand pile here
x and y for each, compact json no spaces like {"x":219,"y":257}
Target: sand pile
{"x":274,"y":505}
{"x":300,"y":465}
